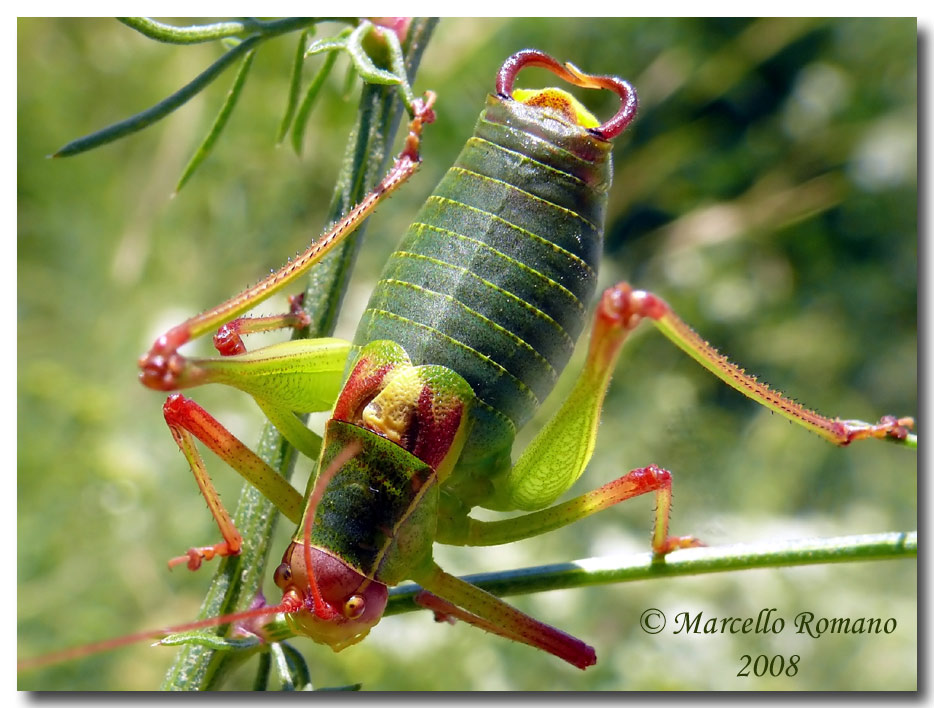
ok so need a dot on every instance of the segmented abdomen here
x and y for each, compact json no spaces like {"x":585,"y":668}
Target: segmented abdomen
{"x":494,"y":276}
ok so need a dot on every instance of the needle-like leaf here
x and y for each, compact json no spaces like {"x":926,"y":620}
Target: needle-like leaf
{"x":219,"y":123}
{"x":295,"y":85}
{"x":308,"y":102}
{"x":146,"y":118}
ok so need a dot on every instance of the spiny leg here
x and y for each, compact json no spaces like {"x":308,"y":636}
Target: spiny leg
{"x":639,"y":304}
{"x":286,"y":378}
{"x":642,"y":480}
{"x":186,"y":419}
{"x":228,"y":338}
{"x":164,"y":369}
{"x":559,"y":453}
{"x":232,"y":539}
{"x":450,"y":596}
{"x":299,"y":375}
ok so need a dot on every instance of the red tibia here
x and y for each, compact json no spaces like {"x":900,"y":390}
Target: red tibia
{"x":533,"y":57}
{"x":641,"y":480}
{"x":186,"y":418}
{"x":117,"y":642}
{"x":183,"y":412}
{"x":529,"y":631}
{"x":196,"y":555}
{"x":423,"y":116}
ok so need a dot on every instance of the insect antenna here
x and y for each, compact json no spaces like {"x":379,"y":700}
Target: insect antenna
{"x":288,"y":603}
{"x":117,"y":642}
{"x":322,"y":609}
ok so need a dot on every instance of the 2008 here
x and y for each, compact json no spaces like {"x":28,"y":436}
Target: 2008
{"x":764,"y":665}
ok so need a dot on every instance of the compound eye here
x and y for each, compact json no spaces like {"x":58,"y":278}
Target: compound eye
{"x":354,"y":607}
{"x":283,"y":576}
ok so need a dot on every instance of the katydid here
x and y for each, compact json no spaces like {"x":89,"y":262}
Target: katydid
{"x":475,"y":316}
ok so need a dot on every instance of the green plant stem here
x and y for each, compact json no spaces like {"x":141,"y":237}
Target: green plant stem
{"x":195,"y":34}
{"x":262,"y":31}
{"x":220,"y":122}
{"x":692,"y":561}
{"x":239,"y":578}
{"x":641,"y":566}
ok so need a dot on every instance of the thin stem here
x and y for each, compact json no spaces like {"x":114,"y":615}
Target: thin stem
{"x":239,"y":578}
{"x":692,"y":561}
{"x":220,"y":122}
{"x":195,"y":34}
{"x":261,"y":31}
{"x":146,"y":118}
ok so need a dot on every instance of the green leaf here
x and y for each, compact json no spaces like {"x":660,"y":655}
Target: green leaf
{"x":295,"y":84}
{"x":225,"y":31}
{"x":283,"y":669}
{"x":211,"y":641}
{"x":308,"y":102}
{"x":195,"y":34}
{"x":261,"y":682}
{"x":329,"y":44}
{"x":298,"y":668}
{"x":219,"y":123}
{"x":159,"y":111}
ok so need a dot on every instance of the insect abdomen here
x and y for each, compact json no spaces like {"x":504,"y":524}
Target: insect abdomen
{"x":494,"y":276}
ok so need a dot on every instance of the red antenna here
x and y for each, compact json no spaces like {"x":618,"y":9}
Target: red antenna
{"x":288,"y":603}
{"x":322,"y":609}
{"x":117,"y":642}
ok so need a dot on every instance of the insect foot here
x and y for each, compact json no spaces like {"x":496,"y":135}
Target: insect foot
{"x":888,"y":427}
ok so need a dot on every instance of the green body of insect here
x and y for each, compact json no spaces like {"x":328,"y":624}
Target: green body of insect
{"x":494,"y":277}
{"x":473,"y":319}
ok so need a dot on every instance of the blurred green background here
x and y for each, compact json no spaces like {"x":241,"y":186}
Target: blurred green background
{"x":767,"y":190}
